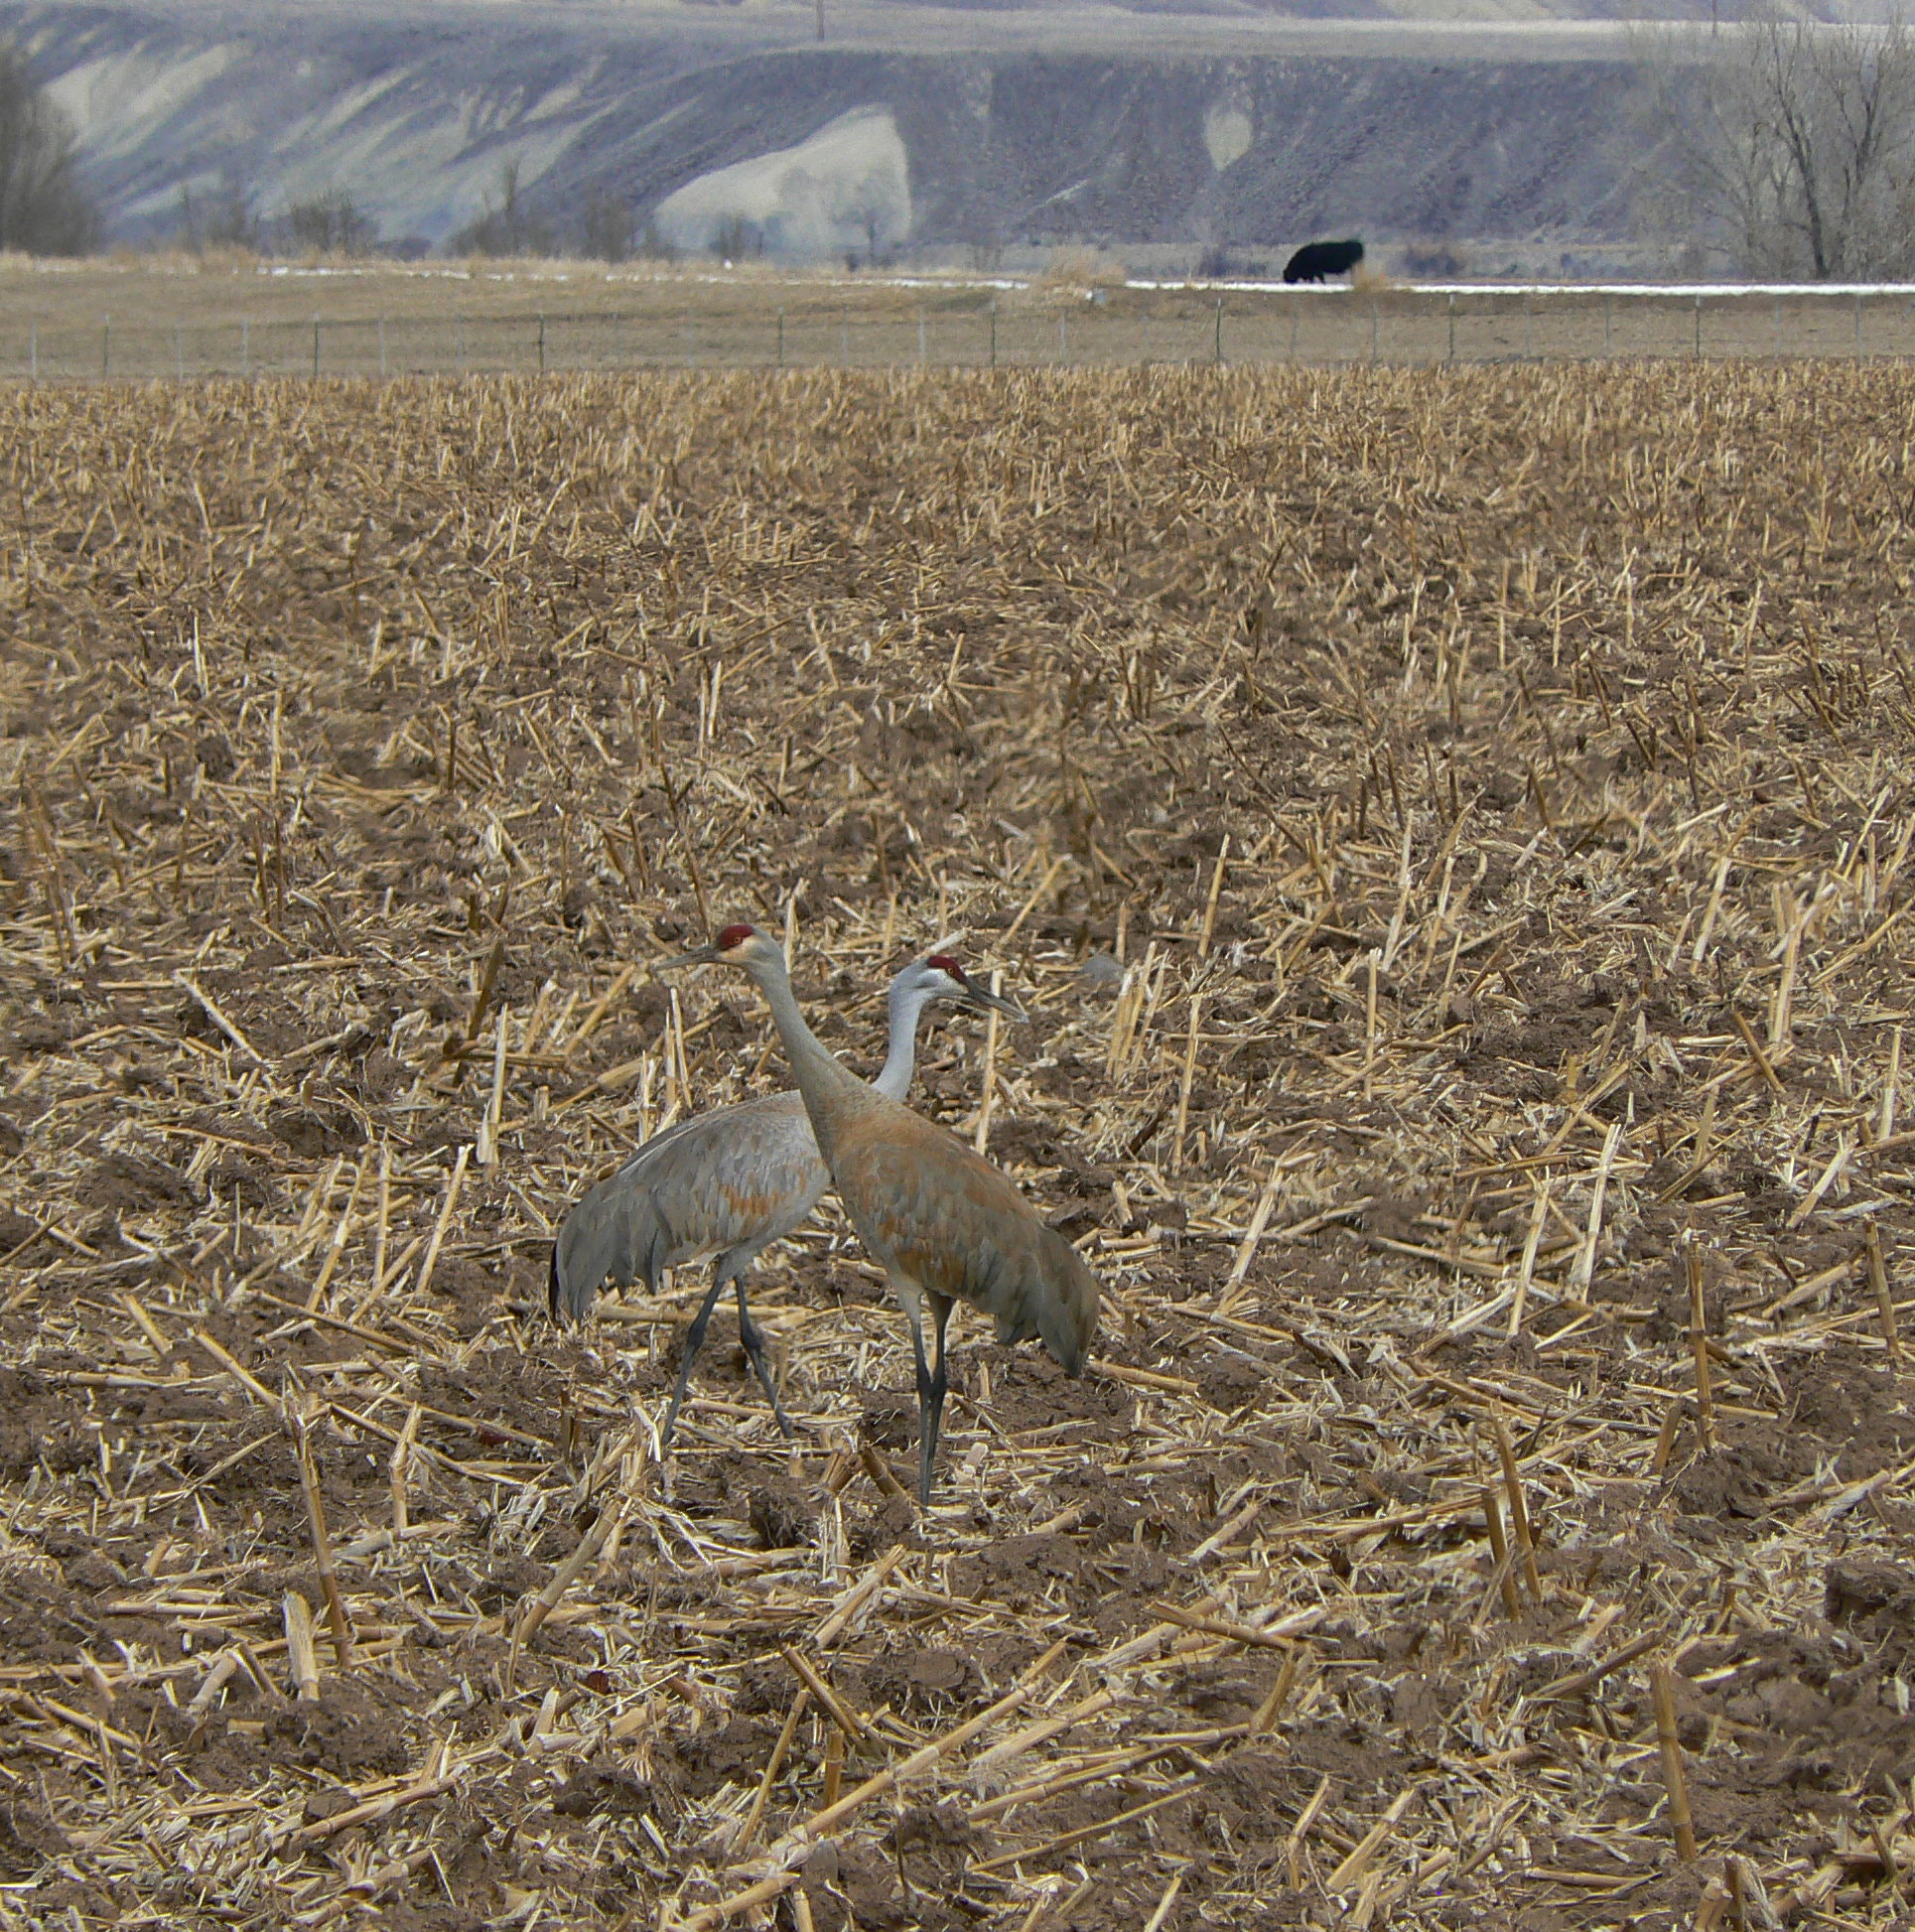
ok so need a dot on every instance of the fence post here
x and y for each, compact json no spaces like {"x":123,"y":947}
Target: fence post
{"x":541,"y":345}
{"x":105,"y":347}
{"x":245,"y":349}
{"x":1219,"y":332}
{"x":1452,"y":327}
{"x":316,"y":345}
{"x":382,"y":367}
{"x":1699,"y":328}
{"x":994,"y":332}
{"x":780,"y":338}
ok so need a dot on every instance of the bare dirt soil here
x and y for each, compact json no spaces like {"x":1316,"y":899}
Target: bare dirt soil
{"x":1453,"y":832}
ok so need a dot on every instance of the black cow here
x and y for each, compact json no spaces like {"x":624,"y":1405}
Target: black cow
{"x":1318,"y":259}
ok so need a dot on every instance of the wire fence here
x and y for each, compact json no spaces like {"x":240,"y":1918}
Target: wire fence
{"x":1123,"y":328}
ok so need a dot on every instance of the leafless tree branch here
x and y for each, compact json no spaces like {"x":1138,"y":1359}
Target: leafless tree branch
{"x":1786,"y":144}
{"x":44,"y":211}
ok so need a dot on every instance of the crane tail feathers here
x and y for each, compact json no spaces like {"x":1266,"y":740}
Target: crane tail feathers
{"x":611,"y":1234}
{"x":1056,"y":1304}
{"x":1068,"y":1330}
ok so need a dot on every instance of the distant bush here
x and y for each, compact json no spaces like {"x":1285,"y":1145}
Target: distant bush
{"x":1436,"y":258}
{"x":44,"y":209}
{"x":1219,"y":264}
{"x":1081,"y":268}
{"x":332,"y":223}
{"x":737,"y":239}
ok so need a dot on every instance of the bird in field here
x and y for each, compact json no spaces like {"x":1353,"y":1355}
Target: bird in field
{"x":729,"y":1184}
{"x":945,"y":1225}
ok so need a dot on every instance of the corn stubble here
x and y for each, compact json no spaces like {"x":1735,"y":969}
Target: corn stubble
{"x":1453,"y":831}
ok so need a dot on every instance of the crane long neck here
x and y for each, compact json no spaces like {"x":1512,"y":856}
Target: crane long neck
{"x":908,"y":1004}
{"x":825,"y":1082}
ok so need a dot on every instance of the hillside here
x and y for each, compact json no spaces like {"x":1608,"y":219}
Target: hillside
{"x":921,"y":129}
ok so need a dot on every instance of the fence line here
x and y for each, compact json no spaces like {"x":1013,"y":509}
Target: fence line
{"x":1125,"y":329}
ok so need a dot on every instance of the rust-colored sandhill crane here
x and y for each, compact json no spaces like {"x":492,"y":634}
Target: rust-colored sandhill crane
{"x":730,"y":1182}
{"x":945,"y":1224}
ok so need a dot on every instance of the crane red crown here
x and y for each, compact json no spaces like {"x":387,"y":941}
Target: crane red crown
{"x":946,"y":964}
{"x":734,"y":936}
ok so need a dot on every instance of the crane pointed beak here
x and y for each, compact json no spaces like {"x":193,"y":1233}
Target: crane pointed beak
{"x":698,"y":956}
{"x":985,"y":1002}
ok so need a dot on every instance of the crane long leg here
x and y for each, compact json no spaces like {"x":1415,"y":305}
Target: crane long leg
{"x":931,"y":1385}
{"x":752,"y":1337}
{"x":694,"y":1341}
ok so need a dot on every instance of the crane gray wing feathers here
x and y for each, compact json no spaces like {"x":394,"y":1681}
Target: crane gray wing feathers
{"x":730,"y":1183}
{"x":944,"y":1217}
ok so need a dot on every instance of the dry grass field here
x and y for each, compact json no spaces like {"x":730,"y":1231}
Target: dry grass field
{"x":1452,"y":830}
{"x":183,"y":317}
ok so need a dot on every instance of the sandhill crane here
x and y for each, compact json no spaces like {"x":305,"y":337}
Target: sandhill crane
{"x":945,"y":1225}
{"x":730,"y":1182}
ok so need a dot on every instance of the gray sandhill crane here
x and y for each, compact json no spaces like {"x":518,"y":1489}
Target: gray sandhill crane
{"x":730,"y":1182}
{"x":945,"y":1225}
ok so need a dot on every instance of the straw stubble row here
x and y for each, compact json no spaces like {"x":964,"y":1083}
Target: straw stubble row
{"x":1450,"y":832}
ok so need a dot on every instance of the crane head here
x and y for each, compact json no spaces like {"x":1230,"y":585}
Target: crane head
{"x":944,"y":979}
{"x":939,"y":977}
{"x":736,"y":945}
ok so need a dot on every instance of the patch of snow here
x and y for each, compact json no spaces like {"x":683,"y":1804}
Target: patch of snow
{"x":119,"y":101}
{"x":846,"y":186}
{"x":557,"y":101}
{"x":354,"y":101}
{"x":1665,"y":291}
{"x":1227,"y":135}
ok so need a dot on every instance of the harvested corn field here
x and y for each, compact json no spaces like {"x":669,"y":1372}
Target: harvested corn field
{"x":1452,"y":832}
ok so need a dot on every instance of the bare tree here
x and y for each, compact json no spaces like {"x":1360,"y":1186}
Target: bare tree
{"x":508,"y":228}
{"x":228,"y":218}
{"x":606,"y":230}
{"x":872,"y":204}
{"x":1787,"y":144}
{"x":231,"y":220}
{"x":44,"y":211}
